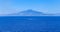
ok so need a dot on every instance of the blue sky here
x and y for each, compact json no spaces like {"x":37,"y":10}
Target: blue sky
{"x":14,"y":6}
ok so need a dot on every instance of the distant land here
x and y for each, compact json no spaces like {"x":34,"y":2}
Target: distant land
{"x":30,"y":12}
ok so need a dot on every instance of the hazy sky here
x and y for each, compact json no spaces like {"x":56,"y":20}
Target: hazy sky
{"x":14,"y":6}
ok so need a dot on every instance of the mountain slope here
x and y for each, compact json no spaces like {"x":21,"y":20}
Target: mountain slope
{"x":29,"y":12}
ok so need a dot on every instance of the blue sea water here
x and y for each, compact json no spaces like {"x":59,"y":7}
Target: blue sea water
{"x":30,"y":24}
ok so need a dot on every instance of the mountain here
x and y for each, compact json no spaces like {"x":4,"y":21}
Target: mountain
{"x":29,"y":12}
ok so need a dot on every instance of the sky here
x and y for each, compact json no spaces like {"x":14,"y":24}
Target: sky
{"x":15,"y":6}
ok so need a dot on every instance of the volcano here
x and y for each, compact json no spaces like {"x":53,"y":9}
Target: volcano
{"x":29,"y":12}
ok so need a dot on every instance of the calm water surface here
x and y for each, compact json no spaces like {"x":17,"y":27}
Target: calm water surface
{"x":30,"y":24}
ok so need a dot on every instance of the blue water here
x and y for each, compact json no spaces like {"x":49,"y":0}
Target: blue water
{"x":30,"y":24}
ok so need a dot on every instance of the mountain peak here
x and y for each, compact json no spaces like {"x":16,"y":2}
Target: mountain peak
{"x":30,"y":12}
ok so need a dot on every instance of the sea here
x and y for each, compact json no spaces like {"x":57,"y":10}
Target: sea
{"x":29,"y":23}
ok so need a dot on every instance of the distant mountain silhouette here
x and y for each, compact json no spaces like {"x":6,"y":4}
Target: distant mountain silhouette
{"x":29,"y":12}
